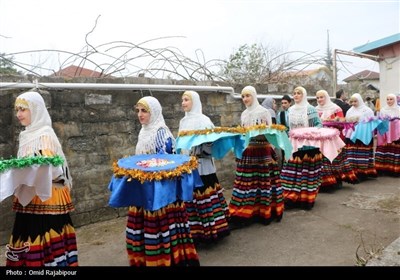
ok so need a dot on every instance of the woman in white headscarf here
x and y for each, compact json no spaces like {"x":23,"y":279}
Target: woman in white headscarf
{"x":301,"y":174}
{"x":391,"y":109}
{"x":327,"y":110}
{"x":360,"y":155}
{"x":255,"y":113}
{"x":340,"y":169}
{"x":387,"y":155}
{"x":154,"y":136}
{"x":158,"y":237}
{"x":43,"y":233}
{"x":257,"y":192}
{"x":302,"y":113}
{"x":270,"y":104}
{"x":358,"y":111}
{"x":208,"y":212}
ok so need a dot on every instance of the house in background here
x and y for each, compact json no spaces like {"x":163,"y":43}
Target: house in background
{"x":311,"y":79}
{"x":365,"y":82}
{"x":388,"y":51}
{"x":76,"y":71}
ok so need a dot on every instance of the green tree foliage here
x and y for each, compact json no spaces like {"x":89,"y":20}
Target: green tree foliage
{"x":262,"y":64}
{"x":328,"y":56}
{"x":7,"y":65}
{"x":246,"y":65}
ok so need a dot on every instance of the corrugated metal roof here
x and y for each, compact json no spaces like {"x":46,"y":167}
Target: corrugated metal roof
{"x":378,"y":44}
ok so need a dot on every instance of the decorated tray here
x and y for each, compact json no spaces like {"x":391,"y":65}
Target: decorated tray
{"x":154,"y":166}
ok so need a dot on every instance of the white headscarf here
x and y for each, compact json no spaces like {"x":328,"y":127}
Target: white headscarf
{"x":255,"y":113}
{"x":268,"y":103}
{"x":391,"y":111}
{"x":147,"y":139}
{"x":30,"y":139}
{"x":359,"y":113}
{"x":329,"y":108}
{"x":298,"y":116}
{"x":195,"y":119}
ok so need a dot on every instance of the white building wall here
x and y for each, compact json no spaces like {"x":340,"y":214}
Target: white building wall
{"x":389,"y":77}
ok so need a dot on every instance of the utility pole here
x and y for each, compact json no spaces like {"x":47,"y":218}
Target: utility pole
{"x":334,"y":70}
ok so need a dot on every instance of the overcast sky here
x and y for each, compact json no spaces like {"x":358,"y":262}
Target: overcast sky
{"x":217,"y":27}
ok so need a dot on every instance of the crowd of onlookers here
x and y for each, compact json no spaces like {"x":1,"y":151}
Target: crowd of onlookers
{"x":342,"y":100}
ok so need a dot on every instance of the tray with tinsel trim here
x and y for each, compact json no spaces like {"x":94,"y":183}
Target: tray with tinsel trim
{"x":154,"y":166}
{"x":26,"y":177}
{"x":153,"y":181}
{"x":6,"y":164}
{"x":338,"y":124}
{"x":234,"y":139}
{"x":276,"y":135}
{"x":224,"y":139}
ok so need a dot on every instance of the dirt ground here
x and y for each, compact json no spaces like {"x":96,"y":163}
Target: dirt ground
{"x":346,"y":227}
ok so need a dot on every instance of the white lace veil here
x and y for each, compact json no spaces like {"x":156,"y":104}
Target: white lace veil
{"x":255,"y":113}
{"x":391,"y":111}
{"x":30,"y":139}
{"x":195,"y":119}
{"x":148,"y":141}
{"x":298,"y":116}
{"x":329,"y":108}
{"x":362,"y":111}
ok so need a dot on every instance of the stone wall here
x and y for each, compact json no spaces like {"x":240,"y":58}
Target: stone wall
{"x":96,"y":127}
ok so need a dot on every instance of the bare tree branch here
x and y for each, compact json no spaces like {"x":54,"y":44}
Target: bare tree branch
{"x":266,"y":64}
{"x":86,"y":37}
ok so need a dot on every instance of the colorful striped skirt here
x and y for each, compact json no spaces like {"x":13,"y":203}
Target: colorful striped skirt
{"x":43,"y":233}
{"x":387,"y":159}
{"x":301,"y":178}
{"x":257,"y":193}
{"x":161,"y":237}
{"x":208,"y":212}
{"x":361,"y":158}
{"x":335,"y":172}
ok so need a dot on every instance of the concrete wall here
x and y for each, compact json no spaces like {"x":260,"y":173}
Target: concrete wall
{"x":390,"y":72}
{"x":389,"y":68}
{"x":96,"y":127}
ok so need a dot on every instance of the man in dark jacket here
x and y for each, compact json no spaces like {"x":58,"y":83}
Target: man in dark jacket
{"x":340,"y":100}
{"x":282,"y":117}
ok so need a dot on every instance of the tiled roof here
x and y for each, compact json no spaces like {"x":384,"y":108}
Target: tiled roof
{"x":302,"y":73}
{"x":363,"y":75}
{"x":76,"y":71}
